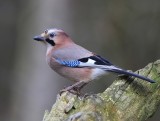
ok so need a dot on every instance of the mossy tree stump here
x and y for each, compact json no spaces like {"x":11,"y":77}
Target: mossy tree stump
{"x":127,"y":99}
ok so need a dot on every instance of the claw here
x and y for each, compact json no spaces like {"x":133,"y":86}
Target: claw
{"x":75,"y":88}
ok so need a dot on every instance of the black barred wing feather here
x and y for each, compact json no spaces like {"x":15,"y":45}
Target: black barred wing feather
{"x":92,"y":61}
{"x":68,"y":63}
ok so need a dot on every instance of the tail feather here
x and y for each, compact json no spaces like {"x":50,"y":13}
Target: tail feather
{"x":120,"y":71}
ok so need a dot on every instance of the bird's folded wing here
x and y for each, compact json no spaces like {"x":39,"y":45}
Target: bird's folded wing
{"x":101,"y":63}
{"x":92,"y":62}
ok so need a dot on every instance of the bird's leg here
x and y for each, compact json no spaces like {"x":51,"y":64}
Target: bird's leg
{"x":75,"y":88}
{"x":79,"y":87}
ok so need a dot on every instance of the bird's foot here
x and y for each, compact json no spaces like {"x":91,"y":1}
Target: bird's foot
{"x":75,"y":88}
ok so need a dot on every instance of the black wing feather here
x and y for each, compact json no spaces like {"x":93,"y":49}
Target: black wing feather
{"x":98,"y":60}
{"x":101,"y":61}
{"x":132,"y":74}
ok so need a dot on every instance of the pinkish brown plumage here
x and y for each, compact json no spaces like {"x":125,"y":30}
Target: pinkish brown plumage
{"x":75,"y":62}
{"x":62,"y":50}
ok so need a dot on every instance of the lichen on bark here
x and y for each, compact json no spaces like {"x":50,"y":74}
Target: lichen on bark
{"x":127,"y":99}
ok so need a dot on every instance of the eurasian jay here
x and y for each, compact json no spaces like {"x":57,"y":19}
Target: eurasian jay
{"x":75,"y":62}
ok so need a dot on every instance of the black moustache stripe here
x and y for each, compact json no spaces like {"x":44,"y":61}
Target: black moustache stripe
{"x":50,"y":42}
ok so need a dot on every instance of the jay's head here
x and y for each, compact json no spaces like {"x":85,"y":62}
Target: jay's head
{"x":53,"y":37}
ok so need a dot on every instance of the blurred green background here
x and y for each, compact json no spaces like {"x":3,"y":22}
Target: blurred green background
{"x":127,"y":32}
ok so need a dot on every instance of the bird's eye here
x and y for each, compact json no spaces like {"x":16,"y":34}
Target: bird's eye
{"x":52,"y":35}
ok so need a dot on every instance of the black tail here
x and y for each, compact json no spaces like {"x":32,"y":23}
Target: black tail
{"x":131,"y":74}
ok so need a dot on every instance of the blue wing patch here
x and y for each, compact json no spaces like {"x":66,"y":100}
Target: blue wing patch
{"x":69,"y":63}
{"x":91,"y":61}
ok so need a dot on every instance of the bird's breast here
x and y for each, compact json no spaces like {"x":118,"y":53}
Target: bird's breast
{"x":73,"y":74}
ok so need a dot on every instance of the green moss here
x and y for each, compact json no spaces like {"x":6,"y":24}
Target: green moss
{"x":124,"y":100}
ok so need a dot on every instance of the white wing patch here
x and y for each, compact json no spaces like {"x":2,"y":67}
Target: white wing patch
{"x":91,"y":63}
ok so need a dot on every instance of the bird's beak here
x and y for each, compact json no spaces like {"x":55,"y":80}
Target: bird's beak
{"x":39,"y":38}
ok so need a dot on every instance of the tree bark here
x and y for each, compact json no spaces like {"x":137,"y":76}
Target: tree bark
{"x":127,"y":99}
